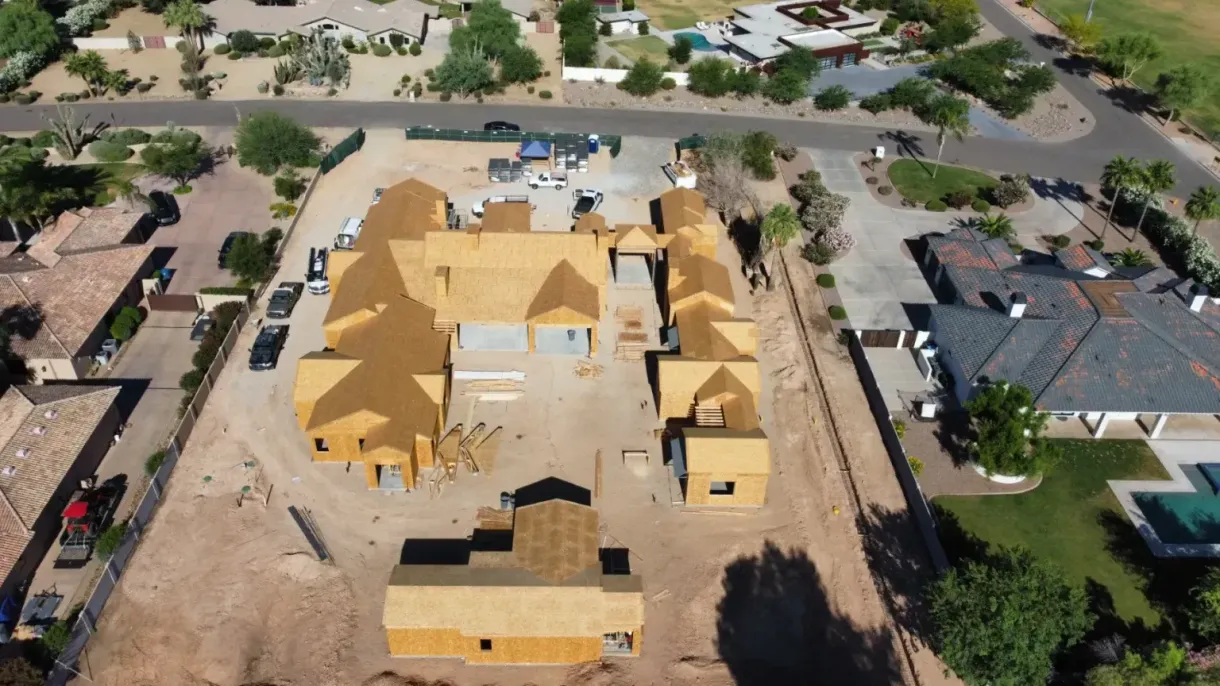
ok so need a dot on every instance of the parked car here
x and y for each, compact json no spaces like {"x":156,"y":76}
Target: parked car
{"x":164,"y":208}
{"x":349,"y":231}
{"x":283,"y":299}
{"x":587,"y":200}
{"x":315,"y":272}
{"x":377,"y":192}
{"x":501,"y":126}
{"x":480,"y":206}
{"x":552,"y":179}
{"x":203,"y":324}
{"x":265,"y":352}
{"x":228,"y":245}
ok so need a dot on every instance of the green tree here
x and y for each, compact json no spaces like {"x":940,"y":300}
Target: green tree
{"x":1002,"y":620}
{"x":489,"y":26}
{"x":912,"y":93}
{"x":643,"y":79}
{"x":832,"y":98}
{"x":33,"y":192}
{"x":1126,"y":54}
{"x":944,"y":10}
{"x":1119,"y":173}
{"x":248,"y":259}
{"x":1205,"y":611}
{"x":1166,"y":665}
{"x":110,"y":539}
{"x":786,"y":86}
{"x":953,"y":32}
{"x":681,"y":49}
{"x":577,"y":18}
{"x":520,"y":64}
{"x":580,"y":50}
{"x":1007,"y":431}
{"x":178,"y":159}
{"x":950,"y":115}
{"x":190,"y":19}
{"x":1203,"y":204}
{"x":27,"y":27}
{"x":289,"y":185}
{"x":757,"y":148}
{"x":1182,"y":88}
{"x":1157,"y":178}
{"x":89,"y":66}
{"x":153,"y":463}
{"x":801,"y":61}
{"x":464,"y":71}
{"x":56,"y":638}
{"x":779,"y":227}
{"x":996,"y":225}
{"x":1083,"y":35}
{"x":711,"y":77}
{"x":17,"y":671}
{"x":269,"y":141}
{"x":745,"y":82}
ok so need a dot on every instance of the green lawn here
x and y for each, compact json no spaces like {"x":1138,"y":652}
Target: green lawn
{"x":108,"y":174}
{"x":1060,"y":520}
{"x":651,"y":47}
{"x":913,"y":179}
{"x":1187,"y":31}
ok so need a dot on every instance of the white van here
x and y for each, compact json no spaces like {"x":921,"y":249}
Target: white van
{"x":349,"y":231}
{"x":315,"y":272}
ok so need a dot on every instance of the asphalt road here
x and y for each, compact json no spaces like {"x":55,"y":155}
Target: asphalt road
{"x":1118,"y":131}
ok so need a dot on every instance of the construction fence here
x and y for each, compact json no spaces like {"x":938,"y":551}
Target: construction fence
{"x":340,"y":152}
{"x":426,"y":133}
{"x":68,"y":663}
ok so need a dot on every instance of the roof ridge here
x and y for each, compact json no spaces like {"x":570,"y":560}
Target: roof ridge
{"x":1172,"y":341}
{"x":13,"y":511}
{"x":1069,"y":358}
{"x":44,"y":323}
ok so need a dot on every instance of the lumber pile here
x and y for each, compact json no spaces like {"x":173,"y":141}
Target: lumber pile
{"x":495,"y":389}
{"x":587,"y":370}
{"x":476,"y":451}
{"x":631,"y":340}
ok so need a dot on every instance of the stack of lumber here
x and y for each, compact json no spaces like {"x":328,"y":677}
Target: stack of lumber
{"x":476,"y":452}
{"x":631,"y":341}
{"x":587,"y":370}
{"x":494,"y":389}
{"x":446,"y":461}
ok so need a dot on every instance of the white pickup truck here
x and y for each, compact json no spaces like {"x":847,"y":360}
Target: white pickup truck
{"x":553,"y":179}
{"x":477,"y":209}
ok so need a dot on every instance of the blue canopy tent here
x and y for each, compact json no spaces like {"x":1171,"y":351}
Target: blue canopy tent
{"x":535,"y":150}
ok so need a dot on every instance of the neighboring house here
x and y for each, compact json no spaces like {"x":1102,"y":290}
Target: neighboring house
{"x":360,"y":20}
{"x":1136,"y":342}
{"x":711,"y":379}
{"x":61,"y":293}
{"x":761,"y":33}
{"x":521,"y":9}
{"x":51,"y":437}
{"x":531,"y":587}
{"x":623,"y":22}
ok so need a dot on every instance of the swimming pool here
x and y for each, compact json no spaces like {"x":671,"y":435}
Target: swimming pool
{"x":698,"y":41}
{"x":1185,"y":518}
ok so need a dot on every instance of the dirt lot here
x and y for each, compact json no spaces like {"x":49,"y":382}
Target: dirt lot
{"x":225,"y":594}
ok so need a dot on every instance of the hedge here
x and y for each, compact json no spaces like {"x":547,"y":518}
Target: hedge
{"x":837,"y":313}
{"x":106,"y":151}
{"x":225,"y":290}
{"x":980,"y":205}
{"x":382,"y":50}
{"x":826,"y":280}
{"x":127,"y":136}
{"x":936,"y":206}
{"x":222,"y":49}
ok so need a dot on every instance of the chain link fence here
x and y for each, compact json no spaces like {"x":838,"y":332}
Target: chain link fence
{"x":426,"y":133}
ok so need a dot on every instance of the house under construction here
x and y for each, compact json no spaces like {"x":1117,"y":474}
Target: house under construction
{"x":531,"y":586}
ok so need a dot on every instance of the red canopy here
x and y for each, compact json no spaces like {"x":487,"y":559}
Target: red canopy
{"x":76,"y":510}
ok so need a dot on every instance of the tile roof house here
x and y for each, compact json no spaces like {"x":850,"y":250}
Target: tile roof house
{"x":533,"y":589}
{"x":1086,"y":340}
{"x":57,"y":296}
{"x":51,"y":437}
{"x":761,"y":33}
{"x":723,"y":457}
{"x":360,"y":20}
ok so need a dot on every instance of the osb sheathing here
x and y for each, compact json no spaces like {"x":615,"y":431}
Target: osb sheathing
{"x":338,"y":262}
{"x":504,"y":649}
{"x":680,"y":378}
{"x":725,"y":451}
{"x":749,"y":490}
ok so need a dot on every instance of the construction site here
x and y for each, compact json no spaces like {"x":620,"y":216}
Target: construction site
{"x":677,"y":399}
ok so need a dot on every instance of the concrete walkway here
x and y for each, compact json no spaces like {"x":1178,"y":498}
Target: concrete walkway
{"x":879,"y":278}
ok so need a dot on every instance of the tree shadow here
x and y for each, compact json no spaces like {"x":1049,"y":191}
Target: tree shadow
{"x":960,"y":545}
{"x":1074,"y":65}
{"x":899,"y":560}
{"x":904,"y":141}
{"x":954,"y":434}
{"x":1049,"y":42}
{"x":1130,"y":98}
{"x":775,"y":627}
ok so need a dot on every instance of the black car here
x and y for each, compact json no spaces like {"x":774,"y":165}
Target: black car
{"x":164,"y":208}
{"x":283,"y":299}
{"x":267,"y":346}
{"x":228,"y":245}
{"x":501,"y":126}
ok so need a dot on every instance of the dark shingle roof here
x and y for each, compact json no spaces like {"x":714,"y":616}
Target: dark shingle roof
{"x":1081,"y":257}
{"x":970,"y":333}
{"x":1019,"y":348}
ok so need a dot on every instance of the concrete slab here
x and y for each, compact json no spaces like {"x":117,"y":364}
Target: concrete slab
{"x":898,"y":377}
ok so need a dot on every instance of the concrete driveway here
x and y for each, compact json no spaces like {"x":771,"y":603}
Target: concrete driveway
{"x":878,"y":280}
{"x":227,"y":199}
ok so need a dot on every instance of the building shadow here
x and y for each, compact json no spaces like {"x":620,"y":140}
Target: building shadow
{"x":130,"y":391}
{"x":775,"y":627}
{"x":552,"y":488}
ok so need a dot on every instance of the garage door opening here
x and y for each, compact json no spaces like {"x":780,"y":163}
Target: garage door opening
{"x":501,"y":337}
{"x":632,"y":270}
{"x":562,"y":340}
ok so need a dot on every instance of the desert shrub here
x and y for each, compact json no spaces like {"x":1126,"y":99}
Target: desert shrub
{"x":785,"y":151}
{"x":22,"y":99}
{"x":959,"y":198}
{"x":872,"y":181}
{"x":277,"y":89}
{"x":202,"y":93}
{"x":222,"y":49}
{"x":818,"y":254}
{"x":980,"y":205}
{"x":837,"y":313}
{"x":1096,"y":244}
{"x":400,"y":50}
{"x":826,"y":280}
{"x":266,"y":43}
{"x":105,"y":151}
{"x":244,"y":41}
{"x":668,"y":84}
{"x":885,"y":190}
{"x":876,"y":103}
{"x":381,"y":50}
{"x":936,"y":206}
{"x":545,"y":95}
{"x":832,"y":98}
{"x":43,"y":139}
{"x":529,"y":89}
{"x":127,"y":136}
{"x":1061,"y":241}
{"x":191,"y":381}
{"x":446,"y":96}
{"x":418,"y":89}
{"x":73,"y":97}
{"x":890,"y":25}
{"x":263,"y":87}
{"x":1010,"y":191}
{"x":275,"y":51}
{"x":235,"y":55}
{"x":415,"y":50}
{"x":154,"y":462}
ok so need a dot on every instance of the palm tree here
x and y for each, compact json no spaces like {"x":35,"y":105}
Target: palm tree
{"x":1158,"y":178}
{"x":779,"y":226}
{"x":951,"y":117}
{"x":1130,"y":257}
{"x":127,"y":190}
{"x":1204,"y":203}
{"x":995,"y":225}
{"x":89,"y":65}
{"x":1120,"y":172}
{"x":189,"y":18}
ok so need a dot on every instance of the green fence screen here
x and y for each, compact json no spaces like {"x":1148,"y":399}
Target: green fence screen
{"x":692,"y":142}
{"x":340,"y":152}
{"x":426,"y":133}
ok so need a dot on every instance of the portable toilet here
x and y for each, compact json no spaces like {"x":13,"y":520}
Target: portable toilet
{"x":594,"y":144}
